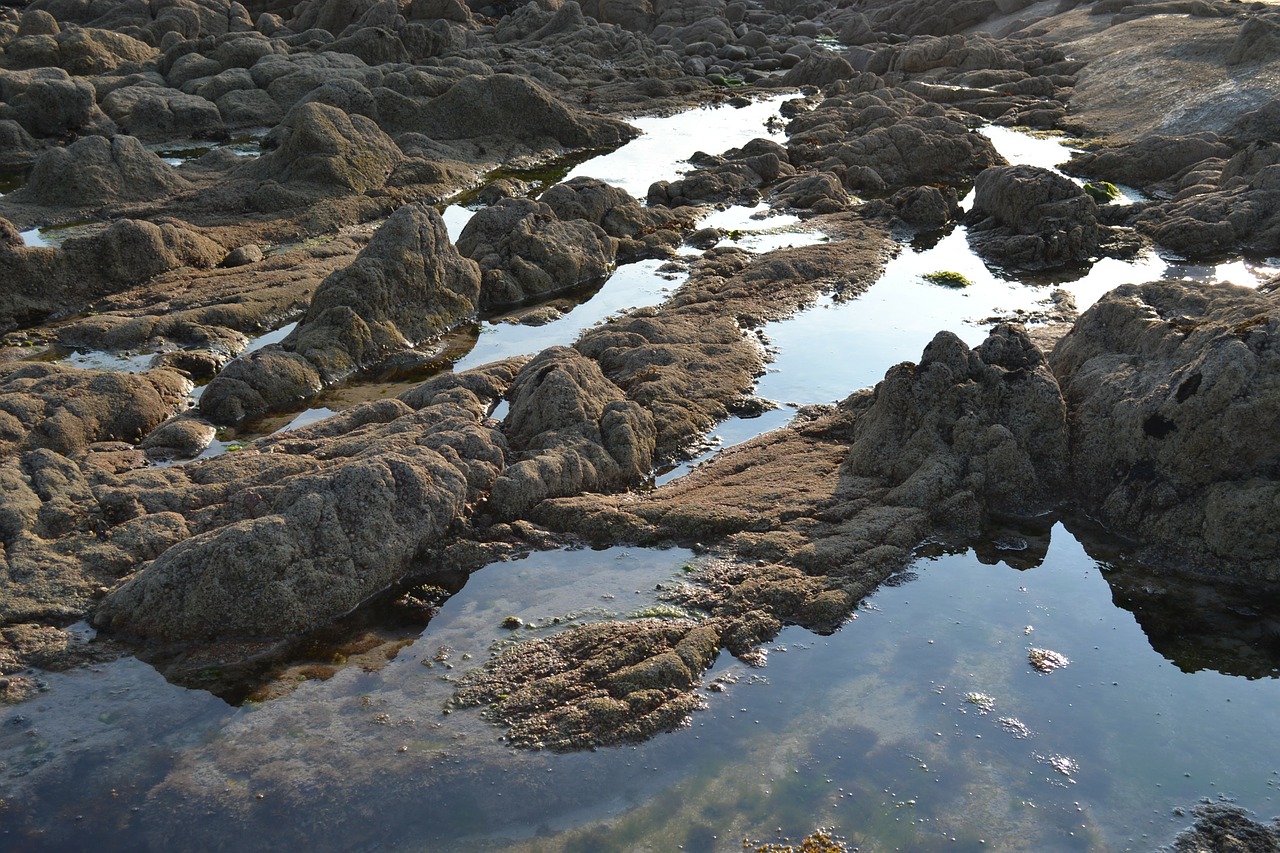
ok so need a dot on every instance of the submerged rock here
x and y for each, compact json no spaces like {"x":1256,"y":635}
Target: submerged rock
{"x":595,"y":685}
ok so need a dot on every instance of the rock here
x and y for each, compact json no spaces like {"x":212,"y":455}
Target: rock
{"x":1225,"y":826}
{"x":17,"y":147}
{"x":572,"y":430}
{"x":243,"y":255}
{"x":322,"y":146}
{"x":510,"y":108}
{"x":1221,"y":207}
{"x":1259,"y":40}
{"x":65,"y":409}
{"x":1030,"y":217}
{"x":43,"y":281}
{"x":881,"y":139}
{"x":819,"y":68}
{"x":408,"y":285}
{"x":525,"y":251}
{"x":821,"y":192}
{"x":967,"y":432}
{"x":157,"y":114}
{"x":178,"y":438}
{"x":49,"y":103}
{"x":95,"y":171}
{"x":927,"y":207}
{"x":733,"y":177}
{"x":595,"y":685}
{"x":1171,"y":392}
{"x":305,"y":532}
{"x":1149,"y":160}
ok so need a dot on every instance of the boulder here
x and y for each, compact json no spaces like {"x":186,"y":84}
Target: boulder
{"x":325,"y":148}
{"x":1174,"y":394}
{"x":96,"y":171}
{"x":42,"y":281}
{"x":49,"y":103}
{"x":571,"y":430}
{"x":525,"y":251}
{"x":407,"y":285}
{"x":157,"y":114}
{"x":509,"y":107}
{"x":65,"y":409}
{"x":1030,"y":217}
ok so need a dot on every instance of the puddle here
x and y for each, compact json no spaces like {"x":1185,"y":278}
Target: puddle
{"x":1046,"y":150}
{"x":667,"y":142}
{"x":630,"y":286}
{"x":727,"y":433}
{"x":874,"y":731}
{"x":455,"y":218}
{"x":248,"y":145}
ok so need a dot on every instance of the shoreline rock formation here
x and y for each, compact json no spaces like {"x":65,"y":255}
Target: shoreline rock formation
{"x":1154,"y":414}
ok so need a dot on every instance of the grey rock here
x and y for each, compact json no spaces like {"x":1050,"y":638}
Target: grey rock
{"x":1172,"y":389}
{"x":408,"y":285}
{"x":96,"y":171}
{"x":524,"y":250}
{"x":1032,"y":218}
{"x":571,"y":430}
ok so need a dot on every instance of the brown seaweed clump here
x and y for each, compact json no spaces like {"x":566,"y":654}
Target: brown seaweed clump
{"x":595,"y":685}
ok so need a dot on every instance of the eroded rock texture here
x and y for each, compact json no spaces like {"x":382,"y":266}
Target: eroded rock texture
{"x":1172,"y":394}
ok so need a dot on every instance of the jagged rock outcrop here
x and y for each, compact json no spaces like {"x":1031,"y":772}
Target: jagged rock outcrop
{"x":965,"y":433}
{"x":1029,"y":217}
{"x":1173,"y":390}
{"x":1221,"y":207}
{"x":571,"y":430}
{"x":406,"y":286}
{"x":524,"y":250}
{"x":735,"y":176}
{"x":877,"y":138}
{"x":1148,"y":160}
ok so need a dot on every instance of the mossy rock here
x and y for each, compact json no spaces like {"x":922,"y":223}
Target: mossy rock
{"x":1102,"y":191}
{"x":948,"y":278}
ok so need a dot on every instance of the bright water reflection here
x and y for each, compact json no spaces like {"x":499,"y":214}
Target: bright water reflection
{"x":666,"y":142}
{"x":920,"y":725}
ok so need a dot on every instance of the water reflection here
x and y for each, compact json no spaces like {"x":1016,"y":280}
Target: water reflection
{"x":919,"y":722}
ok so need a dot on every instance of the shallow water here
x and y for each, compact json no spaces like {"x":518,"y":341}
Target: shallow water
{"x":919,"y":722}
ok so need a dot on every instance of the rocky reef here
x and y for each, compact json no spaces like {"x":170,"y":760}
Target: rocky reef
{"x":1155,"y":414}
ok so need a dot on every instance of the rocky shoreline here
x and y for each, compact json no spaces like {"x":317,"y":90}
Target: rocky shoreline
{"x":1153,"y":414}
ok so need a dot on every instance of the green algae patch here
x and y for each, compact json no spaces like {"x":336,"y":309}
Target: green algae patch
{"x":948,"y":278}
{"x":1102,"y":191}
